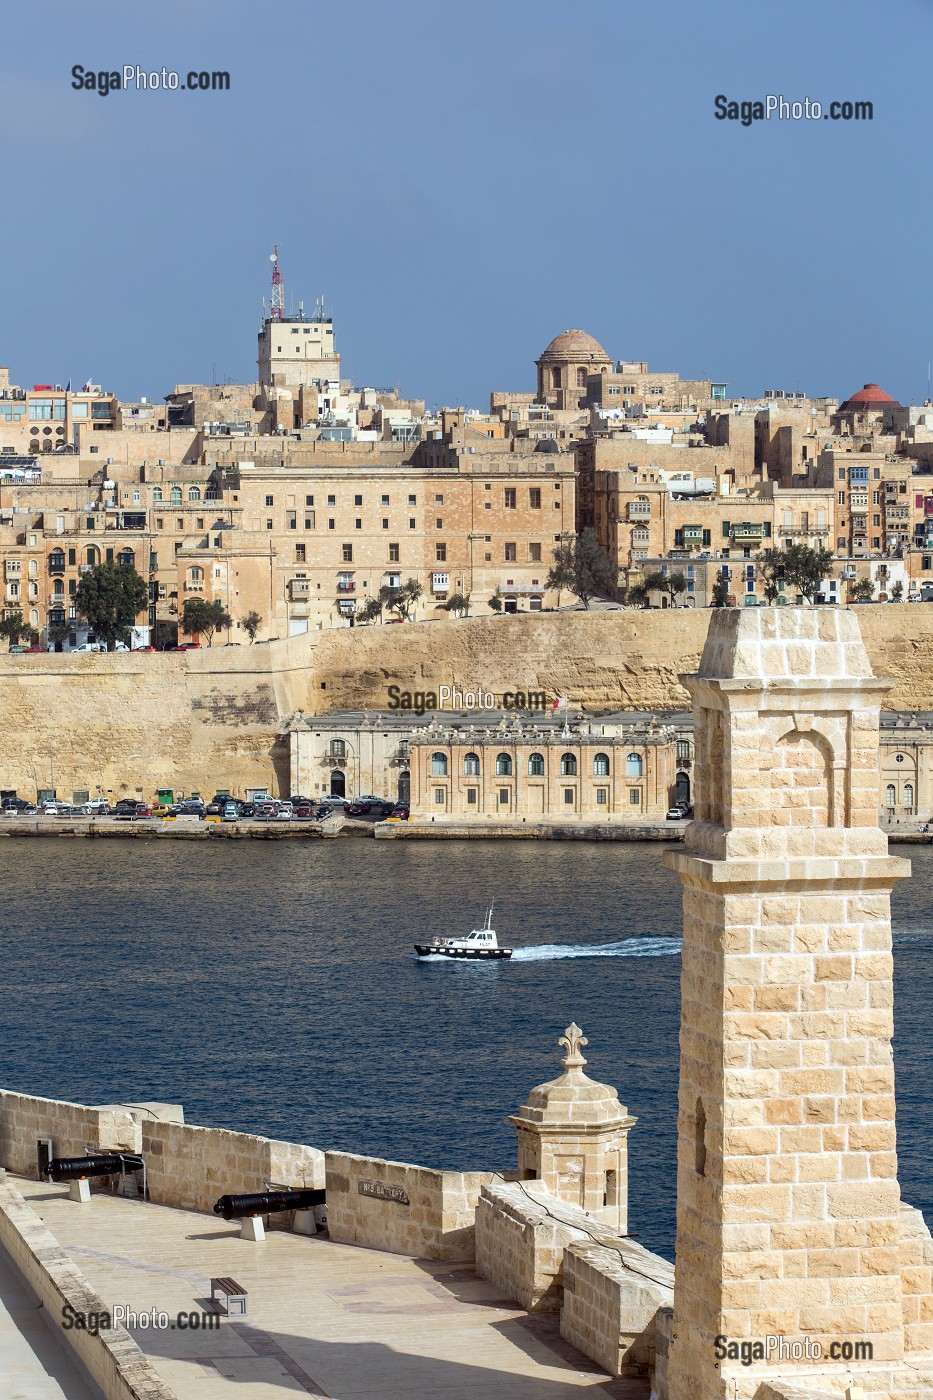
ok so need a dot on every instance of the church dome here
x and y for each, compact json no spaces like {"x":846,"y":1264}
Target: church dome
{"x":574,"y":345}
{"x":868,"y":399}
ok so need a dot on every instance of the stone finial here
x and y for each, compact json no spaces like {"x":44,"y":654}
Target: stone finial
{"x":574,"y":1040}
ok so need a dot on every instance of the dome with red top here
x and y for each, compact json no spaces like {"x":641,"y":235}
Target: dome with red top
{"x":869,"y":399}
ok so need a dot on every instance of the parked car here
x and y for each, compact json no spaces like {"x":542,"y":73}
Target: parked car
{"x":676,"y":814}
{"x":56,"y":809}
{"x":322,"y":813}
{"x":17,"y":804}
{"x":333,"y":801}
{"x":305,"y":811}
{"x":97,"y":807}
{"x":214,"y":809}
{"x":231,"y":812}
{"x":358,"y":809}
{"x":28,"y":809}
{"x":399,"y":812}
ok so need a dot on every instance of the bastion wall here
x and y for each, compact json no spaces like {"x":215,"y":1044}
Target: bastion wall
{"x":128,"y":722}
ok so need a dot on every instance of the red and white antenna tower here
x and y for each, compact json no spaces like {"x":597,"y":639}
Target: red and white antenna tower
{"x":277,"y":306}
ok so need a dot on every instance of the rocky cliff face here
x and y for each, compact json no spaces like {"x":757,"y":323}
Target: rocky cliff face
{"x":193,"y":720}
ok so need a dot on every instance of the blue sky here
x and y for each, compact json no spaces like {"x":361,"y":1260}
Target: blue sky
{"x":463,"y":182}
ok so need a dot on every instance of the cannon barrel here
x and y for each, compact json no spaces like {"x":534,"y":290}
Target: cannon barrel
{"x":102,"y":1164}
{"x":264,"y":1202}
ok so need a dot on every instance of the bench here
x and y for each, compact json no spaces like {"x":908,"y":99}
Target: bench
{"x":234,"y":1296}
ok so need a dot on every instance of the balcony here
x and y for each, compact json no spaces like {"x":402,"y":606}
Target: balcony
{"x":194,"y":586}
{"x":802,"y":531}
{"x":346,"y":586}
{"x":13,"y":568}
{"x":299,"y":588}
{"x":638,"y":510}
{"x":747,"y":533}
{"x":57,"y":564}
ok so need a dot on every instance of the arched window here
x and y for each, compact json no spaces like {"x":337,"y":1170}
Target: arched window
{"x":33,"y":618}
{"x":175,"y":496}
{"x":92,"y":554}
{"x":193,"y":493}
{"x":908,"y":794}
{"x":633,"y":766}
{"x":58,"y":588}
{"x":601,"y":765}
{"x":890,"y":795}
{"x":126,"y":556}
{"x":337,"y":748}
{"x":536,"y":765}
{"x":33,"y":568}
{"x":503,"y":765}
{"x":156,"y":494}
{"x":568,"y":765}
{"x":581,"y":378}
{"x":471,"y":765}
{"x":438,"y":765}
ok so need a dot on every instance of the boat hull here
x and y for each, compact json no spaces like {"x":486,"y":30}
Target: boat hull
{"x":426,"y":950}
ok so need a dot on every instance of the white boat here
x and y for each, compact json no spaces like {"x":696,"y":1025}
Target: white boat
{"x":480,"y":943}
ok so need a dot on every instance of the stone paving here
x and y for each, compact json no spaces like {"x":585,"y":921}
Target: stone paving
{"x":325,"y":1320}
{"x":34,"y":1364}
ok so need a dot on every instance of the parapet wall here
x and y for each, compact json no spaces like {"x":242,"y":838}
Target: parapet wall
{"x":192,"y":720}
{"x":187,"y":1166}
{"x":402,"y":1208}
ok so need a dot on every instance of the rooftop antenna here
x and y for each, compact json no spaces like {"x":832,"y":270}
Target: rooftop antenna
{"x":277,"y":301}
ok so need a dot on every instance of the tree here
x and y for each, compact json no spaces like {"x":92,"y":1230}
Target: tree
{"x":584,"y":567}
{"x":57,"y":634}
{"x":639,"y":596}
{"x":110,"y":597}
{"x":406,"y":597}
{"x":897,"y":592}
{"x":199,"y":615}
{"x":458,"y":603}
{"x":772,"y":571}
{"x":251,"y":624}
{"x":369,"y":611}
{"x":672,"y":584}
{"x":720,"y":592}
{"x":863,"y":590}
{"x":560,"y":575}
{"x":13,"y":628}
{"x":805,"y":568}
{"x":495,"y":602}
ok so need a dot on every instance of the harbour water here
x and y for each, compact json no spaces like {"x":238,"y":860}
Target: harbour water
{"x":273,"y":988}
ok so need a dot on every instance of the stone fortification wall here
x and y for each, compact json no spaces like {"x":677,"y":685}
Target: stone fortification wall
{"x":110,"y":1357}
{"x":187,"y":1166}
{"x":71,"y":1126}
{"x":191,"y":720}
{"x":521,"y":1235}
{"x":612,"y":1293}
{"x":402,"y":1208}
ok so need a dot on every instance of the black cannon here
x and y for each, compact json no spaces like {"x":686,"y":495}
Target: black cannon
{"x":265,"y":1202}
{"x":102,"y":1164}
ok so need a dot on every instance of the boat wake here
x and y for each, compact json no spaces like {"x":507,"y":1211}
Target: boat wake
{"x":623,"y":948}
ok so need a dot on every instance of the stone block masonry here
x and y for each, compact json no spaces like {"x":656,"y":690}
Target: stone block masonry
{"x":401,"y":1207}
{"x":789,"y":1219}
